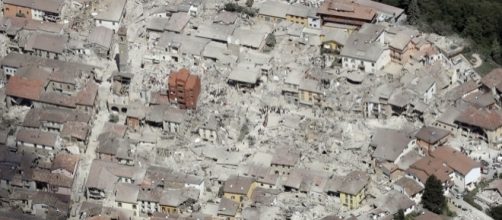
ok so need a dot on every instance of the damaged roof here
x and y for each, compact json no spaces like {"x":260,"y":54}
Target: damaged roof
{"x":354,"y":182}
{"x":458,"y":161}
{"x":21,"y":87}
{"x":431,"y":134}
{"x":389,"y":143}
{"x":482,"y":118}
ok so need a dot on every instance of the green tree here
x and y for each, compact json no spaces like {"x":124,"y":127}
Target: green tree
{"x":113,"y":118}
{"x":270,"y":41}
{"x":496,"y":51}
{"x":433,"y":198}
{"x":413,"y":12}
{"x":399,"y":215}
{"x":473,"y":29}
{"x":403,"y":3}
{"x":496,"y":212}
{"x":249,"y":3}
{"x":232,"y":7}
{"x":391,"y":2}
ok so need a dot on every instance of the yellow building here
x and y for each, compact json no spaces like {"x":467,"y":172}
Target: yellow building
{"x":176,"y":201}
{"x":272,"y":11}
{"x":228,"y":209}
{"x":238,"y":188}
{"x":298,"y":14}
{"x":169,"y":209}
{"x":334,"y":38}
{"x":353,"y":189}
{"x":310,"y":92}
{"x":297,"y":19}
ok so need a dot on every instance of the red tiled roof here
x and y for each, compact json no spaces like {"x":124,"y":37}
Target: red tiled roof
{"x":428,"y":166}
{"x":346,"y":9}
{"x":455,"y":159}
{"x":24,"y":88}
{"x":493,"y":78}
{"x":485,"y":119}
{"x":65,"y":161}
{"x":88,"y":94}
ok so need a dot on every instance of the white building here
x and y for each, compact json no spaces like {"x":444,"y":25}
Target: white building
{"x":314,"y":21}
{"x":208,"y":130}
{"x":467,"y":172}
{"x":126,"y":197}
{"x":37,"y":139}
{"x":365,"y":50}
{"x":410,"y":188}
{"x":110,"y":13}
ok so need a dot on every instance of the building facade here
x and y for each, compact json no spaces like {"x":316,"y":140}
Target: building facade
{"x":184,"y":88}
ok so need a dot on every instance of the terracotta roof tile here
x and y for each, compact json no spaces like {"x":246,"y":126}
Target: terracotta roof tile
{"x":24,"y":88}
{"x":65,"y":161}
{"x":88,"y":94}
{"x":455,"y":159}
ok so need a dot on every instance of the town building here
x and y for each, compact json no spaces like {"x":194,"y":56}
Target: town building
{"x":209,"y":130}
{"x":184,"y":88}
{"x":401,"y":46}
{"x":110,"y":13}
{"x":310,"y":92}
{"x":467,"y":172}
{"x":43,"y":10}
{"x":178,"y":201}
{"x":345,"y":12}
{"x":353,"y":189}
{"x":283,"y":161}
{"x":429,"y":138}
{"x":272,"y":11}
{"x":37,"y":139}
{"x":228,"y":209}
{"x":481,"y":124}
{"x":365,"y":50}
{"x":410,"y":188}
{"x":101,"y":40}
{"x":422,"y":169}
{"x":238,"y":188}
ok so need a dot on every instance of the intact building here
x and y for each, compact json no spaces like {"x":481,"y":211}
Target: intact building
{"x":342,"y":12}
{"x":184,"y":88}
{"x":43,"y":10}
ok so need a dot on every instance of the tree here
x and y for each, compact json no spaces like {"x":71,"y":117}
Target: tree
{"x":496,"y":212}
{"x":473,"y":29}
{"x":496,"y":52}
{"x":399,"y":215}
{"x":113,"y":118}
{"x":232,"y":7}
{"x":391,"y":2}
{"x":413,"y":12}
{"x":270,"y":41}
{"x":249,"y":3}
{"x":433,"y":198}
{"x":404,"y":3}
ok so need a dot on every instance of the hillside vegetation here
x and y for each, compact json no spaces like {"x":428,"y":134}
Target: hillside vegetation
{"x":480,"y":21}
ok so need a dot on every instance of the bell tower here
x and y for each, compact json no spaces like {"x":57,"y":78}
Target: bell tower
{"x":123,"y":49}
